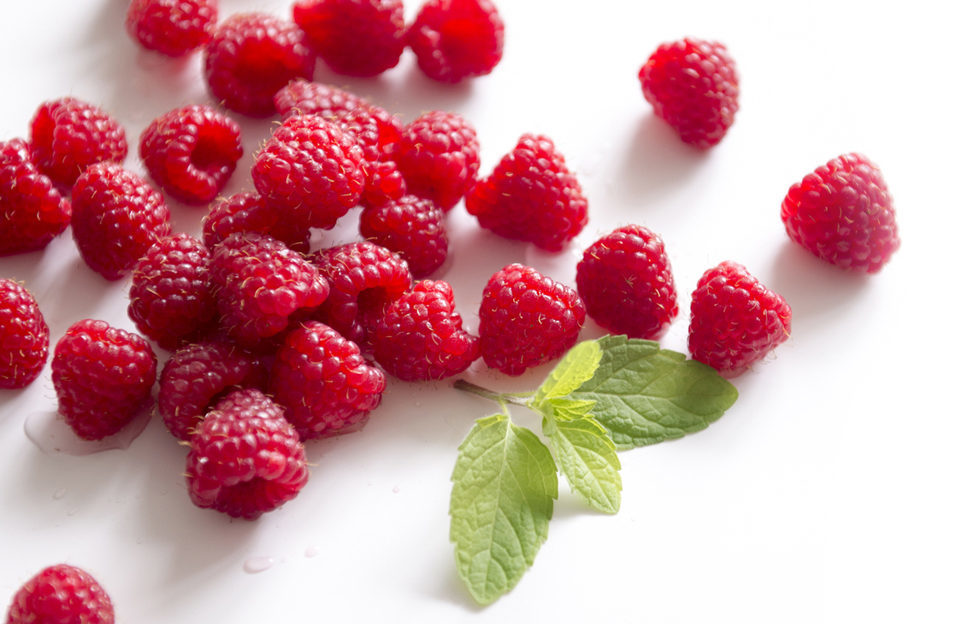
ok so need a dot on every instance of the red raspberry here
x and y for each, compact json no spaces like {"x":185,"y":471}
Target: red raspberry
{"x":259,"y":283}
{"x":303,"y":97}
{"x":250,"y":57}
{"x":245,"y":458}
{"x":439,"y":156}
{"x":323,"y":382}
{"x":67,"y":135}
{"x":736,"y":320}
{"x":247,"y":212}
{"x":375,"y":130}
{"x":116,"y":217}
{"x":24,"y":336}
{"x":172,"y":27}
{"x":531,"y":196}
{"x":32,"y":211}
{"x":527,"y":319}
{"x":421,"y":337}
{"x":191,"y":152}
{"x":102,"y":377}
{"x":693,"y":86}
{"x":412,"y":227}
{"x":625,"y":280}
{"x":309,"y":171}
{"x":354,"y":37}
{"x":384,"y":183}
{"x":844,"y":214}
{"x":170,"y":299}
{"x":457,"y":39}
{"x":61,"y":594}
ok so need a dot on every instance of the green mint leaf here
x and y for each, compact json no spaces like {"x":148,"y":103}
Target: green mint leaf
{"x":574,"y":369}
{"x":588,"y":460}
{"x":561,"y":408}
{"x":504,"y":486}
{"x":644,"y":394}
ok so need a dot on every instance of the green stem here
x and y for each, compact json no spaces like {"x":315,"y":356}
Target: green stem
{"x":516,"y":399}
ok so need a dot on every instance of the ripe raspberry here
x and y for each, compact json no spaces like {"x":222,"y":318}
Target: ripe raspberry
{"x":24,"y":336}
{"x":693,"y":86}
{"x":844,"y":214}
{"x":413,"y":228}
{"x":323,"y":382}
{"x":527,"y":319}
{"x":191,"y":152}
{"x":384,"y":183}
{"x":250,"y":57}
{"x":247,"y":212}
{"x":457,"y":39}
{"x":32,"y":211}
{"x":625,"y":280}
{"x":303,"y":97}
{"x":102,"y":377}
{"x":375,"y":131}
{"x":259,"y":283}
{"x":354,"y":37}
{"x":245,"y":459}
{"x":736,"y":320}
{"x":61,"y":594}
{"x":421,"y":337}
{"x":439,"y":156}
{"x":116,"y":217}
{"x":172,"y":27}
{"x":310,"y":172}
{"x":531,"y":196}
{"x":67,"y":135}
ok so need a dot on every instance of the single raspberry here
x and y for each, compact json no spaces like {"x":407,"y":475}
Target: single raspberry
{"x":412,"y":227}
{"x":844,"y":214}
{"x":693,"y":86}
{"x":354,"y":37}
{"x":172,"y":27}
{"x":527,"y":319}
{"x":32,"y":211}
{"x":304,"y":97}
{"x":531,"y":196}
{"x":116,"y":217}
{"x":625,"y":280}
{"x":384,"y":183}
{"x":247,"y":212}
{"x":61,"y":594}
{"x":310,"y":171}
{"x":457,"y":39}
{"x":421,"y":337}
{"x":250,"y":57}
{"x":245,"y":458}
{"x":439,"y":156}
{"x":375,"y":131}
{"x":191,"y":152}
{"x":102,"y":376}
{"x":24,"y":336}
{"x":322,"y":380}
{"x":736,"y":320}
{"x":67,"y":135}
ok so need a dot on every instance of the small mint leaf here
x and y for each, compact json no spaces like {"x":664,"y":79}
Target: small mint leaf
{"x":561,"y":408}
{"x":574,"y":369}
{"x":588,"y":460}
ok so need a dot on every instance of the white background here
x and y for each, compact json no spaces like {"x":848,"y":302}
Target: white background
{"x":834,"y":489}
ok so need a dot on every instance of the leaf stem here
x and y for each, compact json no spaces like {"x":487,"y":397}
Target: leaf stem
{"x":516,"y":399}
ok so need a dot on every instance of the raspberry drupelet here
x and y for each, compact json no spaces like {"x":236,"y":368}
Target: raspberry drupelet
{"x":59,"y":594}
{"x":171,"y":27}
{"x":457,"y":39}
{"x":32,"y":210}
{"x":24,"y":336}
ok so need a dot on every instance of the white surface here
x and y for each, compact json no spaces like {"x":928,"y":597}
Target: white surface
{"x":833,"y":491}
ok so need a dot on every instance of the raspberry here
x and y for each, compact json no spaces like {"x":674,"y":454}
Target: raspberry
{"x":303,"y":97}
{"x":24,"y":336}
{"x":421,"y":337}
{"x":375,"y":131}
{"x":191,"y":152}
{"x":61,"y":594}
{"x":531,"y":196}
{"x":250,"y":57}
{"x":259,"y":283}
{"x":323,"y":382}
{"x":32,"y":211}
{"x":843,"y":214}
{"x":413,"y":228}
{"x":384,"y":183}
{"x":170,"y":300}
{"x":116,"y":217}
{"x":457,"y":39}
{"x":527,"y":319}
{"x":693,"y":86}
{"x":245,"y":459}
{"x":102,"y":377}
{"x":247,"y":212}
{"x":172,"y":27}
{"x":736,"y":320}
{"x":439,"y":156}
{"x":354,"y":37}
{"x":309,"y":171}
{"x":625,"y":280}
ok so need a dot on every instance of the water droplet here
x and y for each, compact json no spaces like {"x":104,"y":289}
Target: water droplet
{"x":311,"y":551}
{"x":254,"y":565}
{"x":396,"y":489}
{"x":60,"y":493}
{"x":51,"y":434}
